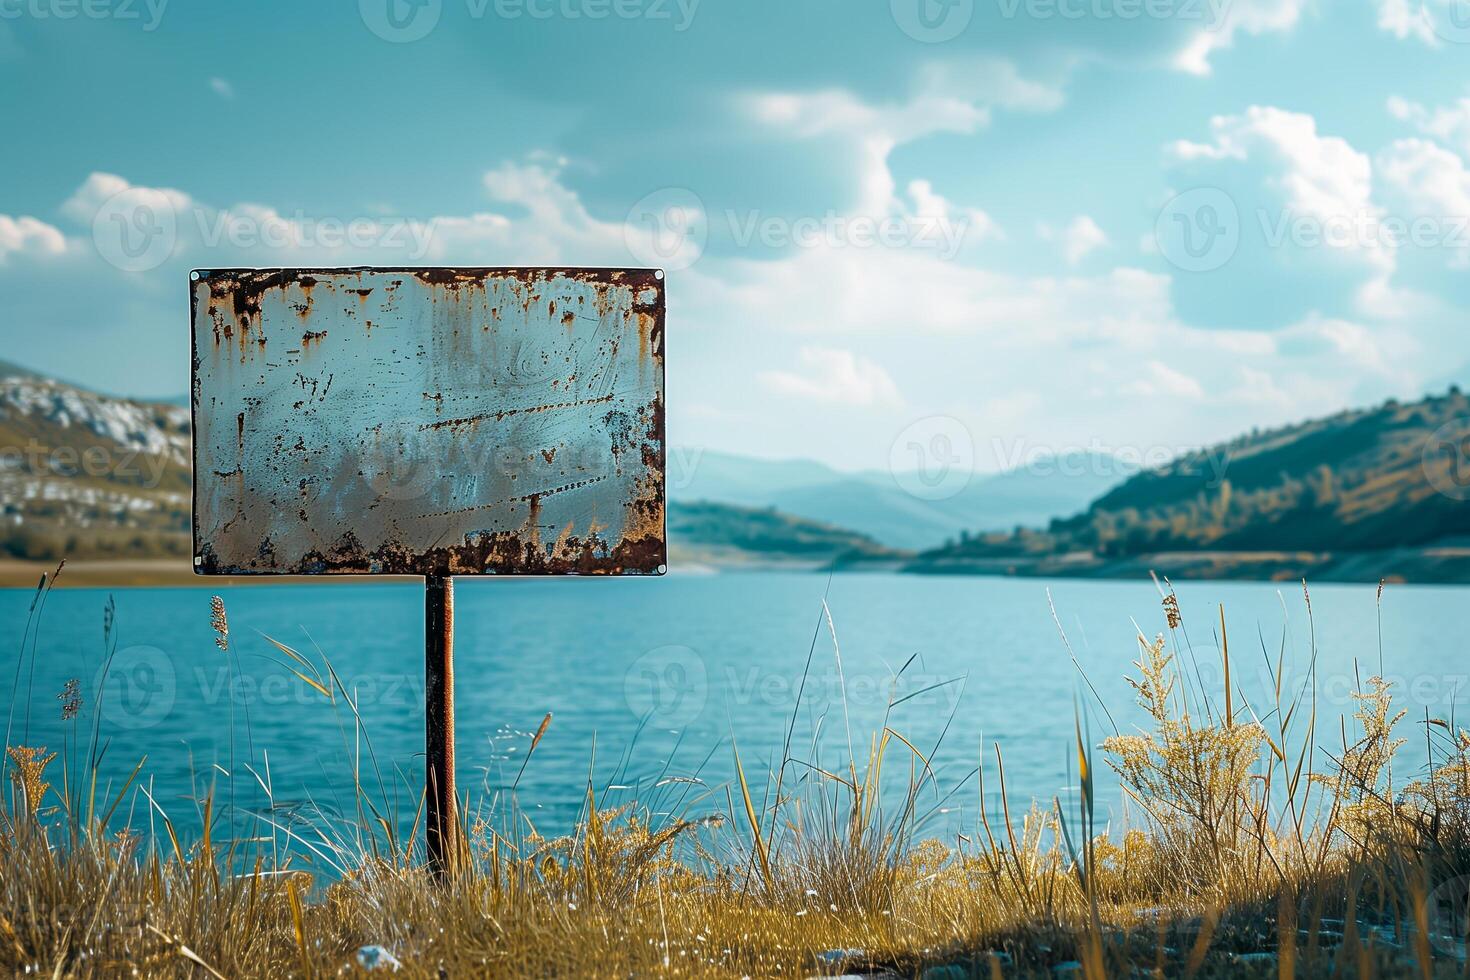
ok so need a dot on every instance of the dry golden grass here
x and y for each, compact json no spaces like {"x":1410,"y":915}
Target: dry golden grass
{"x":1267,"y":844}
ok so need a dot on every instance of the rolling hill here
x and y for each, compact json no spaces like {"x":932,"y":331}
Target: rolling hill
{"x":1364,"y":494}
{"x":84,"y":474}
{"x":723,"y":534}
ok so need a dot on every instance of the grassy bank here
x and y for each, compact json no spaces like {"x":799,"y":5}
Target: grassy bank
{"x":1263,"y":839}
{"x":149,"y":572}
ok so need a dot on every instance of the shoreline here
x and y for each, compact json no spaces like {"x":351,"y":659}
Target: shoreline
{"x":1412,"y":566}
{"x":1442,"y":565}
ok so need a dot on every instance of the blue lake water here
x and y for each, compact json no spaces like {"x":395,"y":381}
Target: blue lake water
{"x":659,"y":675}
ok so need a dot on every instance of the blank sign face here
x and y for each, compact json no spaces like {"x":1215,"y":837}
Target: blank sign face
{"x":428,"y":421}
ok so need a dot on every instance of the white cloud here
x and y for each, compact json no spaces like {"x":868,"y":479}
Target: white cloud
{"x":936,"y":220}
{"x":1159,"y":379}
{"x":950,"y":97}
{"x":556,"y":227}
{"x":808,"y":114}
{"x":873,"y":131}
{"x":1259,"y":388}
{"x":99,"y":188}
{"x":1081,"y":237}
{"x":222,"y":88}
{"x":1350,"y":339}
{"x":1253,"y":17}
{"x":991,"y":81}
{"x":905,"y":292}
{"x":1325,"y":210}
{"x":29,"y":235}
{"x":1407,"y":19}
{"x":1431,"y":179}
{"x":1431,"y":22}
{"x":1433,"y":186}
{"x":1320,"y":175}
{"x":836,"y":377}
{"x":873,"y":327}
{"x":1315,"y":193}
{"x":1448,"y":124}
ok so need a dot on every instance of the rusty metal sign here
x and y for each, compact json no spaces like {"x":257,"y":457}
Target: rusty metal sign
{"x":428,"y":422}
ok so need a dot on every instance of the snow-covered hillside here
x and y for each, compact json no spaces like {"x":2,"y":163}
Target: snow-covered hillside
{"x":84,"y":474}
{"x":153,"y":428}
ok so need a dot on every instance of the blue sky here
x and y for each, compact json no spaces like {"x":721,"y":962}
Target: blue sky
{"x":1125,"y":225}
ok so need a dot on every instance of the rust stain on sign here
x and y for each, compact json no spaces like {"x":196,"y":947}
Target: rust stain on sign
{"x":428,"y":421}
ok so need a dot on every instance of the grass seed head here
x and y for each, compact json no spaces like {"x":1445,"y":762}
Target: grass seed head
{"x":71,"y":699}
{"x":220,"y":624}
{"x":29,"y":773}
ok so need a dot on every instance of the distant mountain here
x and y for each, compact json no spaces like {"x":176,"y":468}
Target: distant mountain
{"x":744,"y":480}
{"x":1364,"y":494}
{"x":876,"y":504}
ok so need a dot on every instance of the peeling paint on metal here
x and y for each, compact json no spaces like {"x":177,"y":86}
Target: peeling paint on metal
{"x":428,"y":421}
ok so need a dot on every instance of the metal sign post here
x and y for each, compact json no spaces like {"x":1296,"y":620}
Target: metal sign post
{"x":440,"y":818}
{"x":429,"y":422}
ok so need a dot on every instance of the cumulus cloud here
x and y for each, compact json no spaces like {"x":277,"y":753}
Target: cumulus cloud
{"x":991,"y":81}
{"x":949,"y":97}
{"x":872,"y":131}
{"x":901,"y":330}
{"x":112,"y":266}
{"x":555,"y":226}
{"x":1159,"y":379}
{"x":1405,"y":19}
{"x":1448,"y":124}
{"x":99,"y":188}
{"x":1252,"y":17}
{"x":1381,"y":353}
{"x":1322,"y":175}
{"x":836,"y":377}
{"x":1432,"y":186}
{"x":936,"y":222}
{"x":1431,"y":179}
{"x":1078,"y":239}
{"x":222,"y":88}
{"x":29,"y":235}
{"x":1409,"y":202}
{"x":1306,"y":212}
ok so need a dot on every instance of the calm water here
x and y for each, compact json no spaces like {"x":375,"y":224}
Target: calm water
{"x":697,"y":659}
